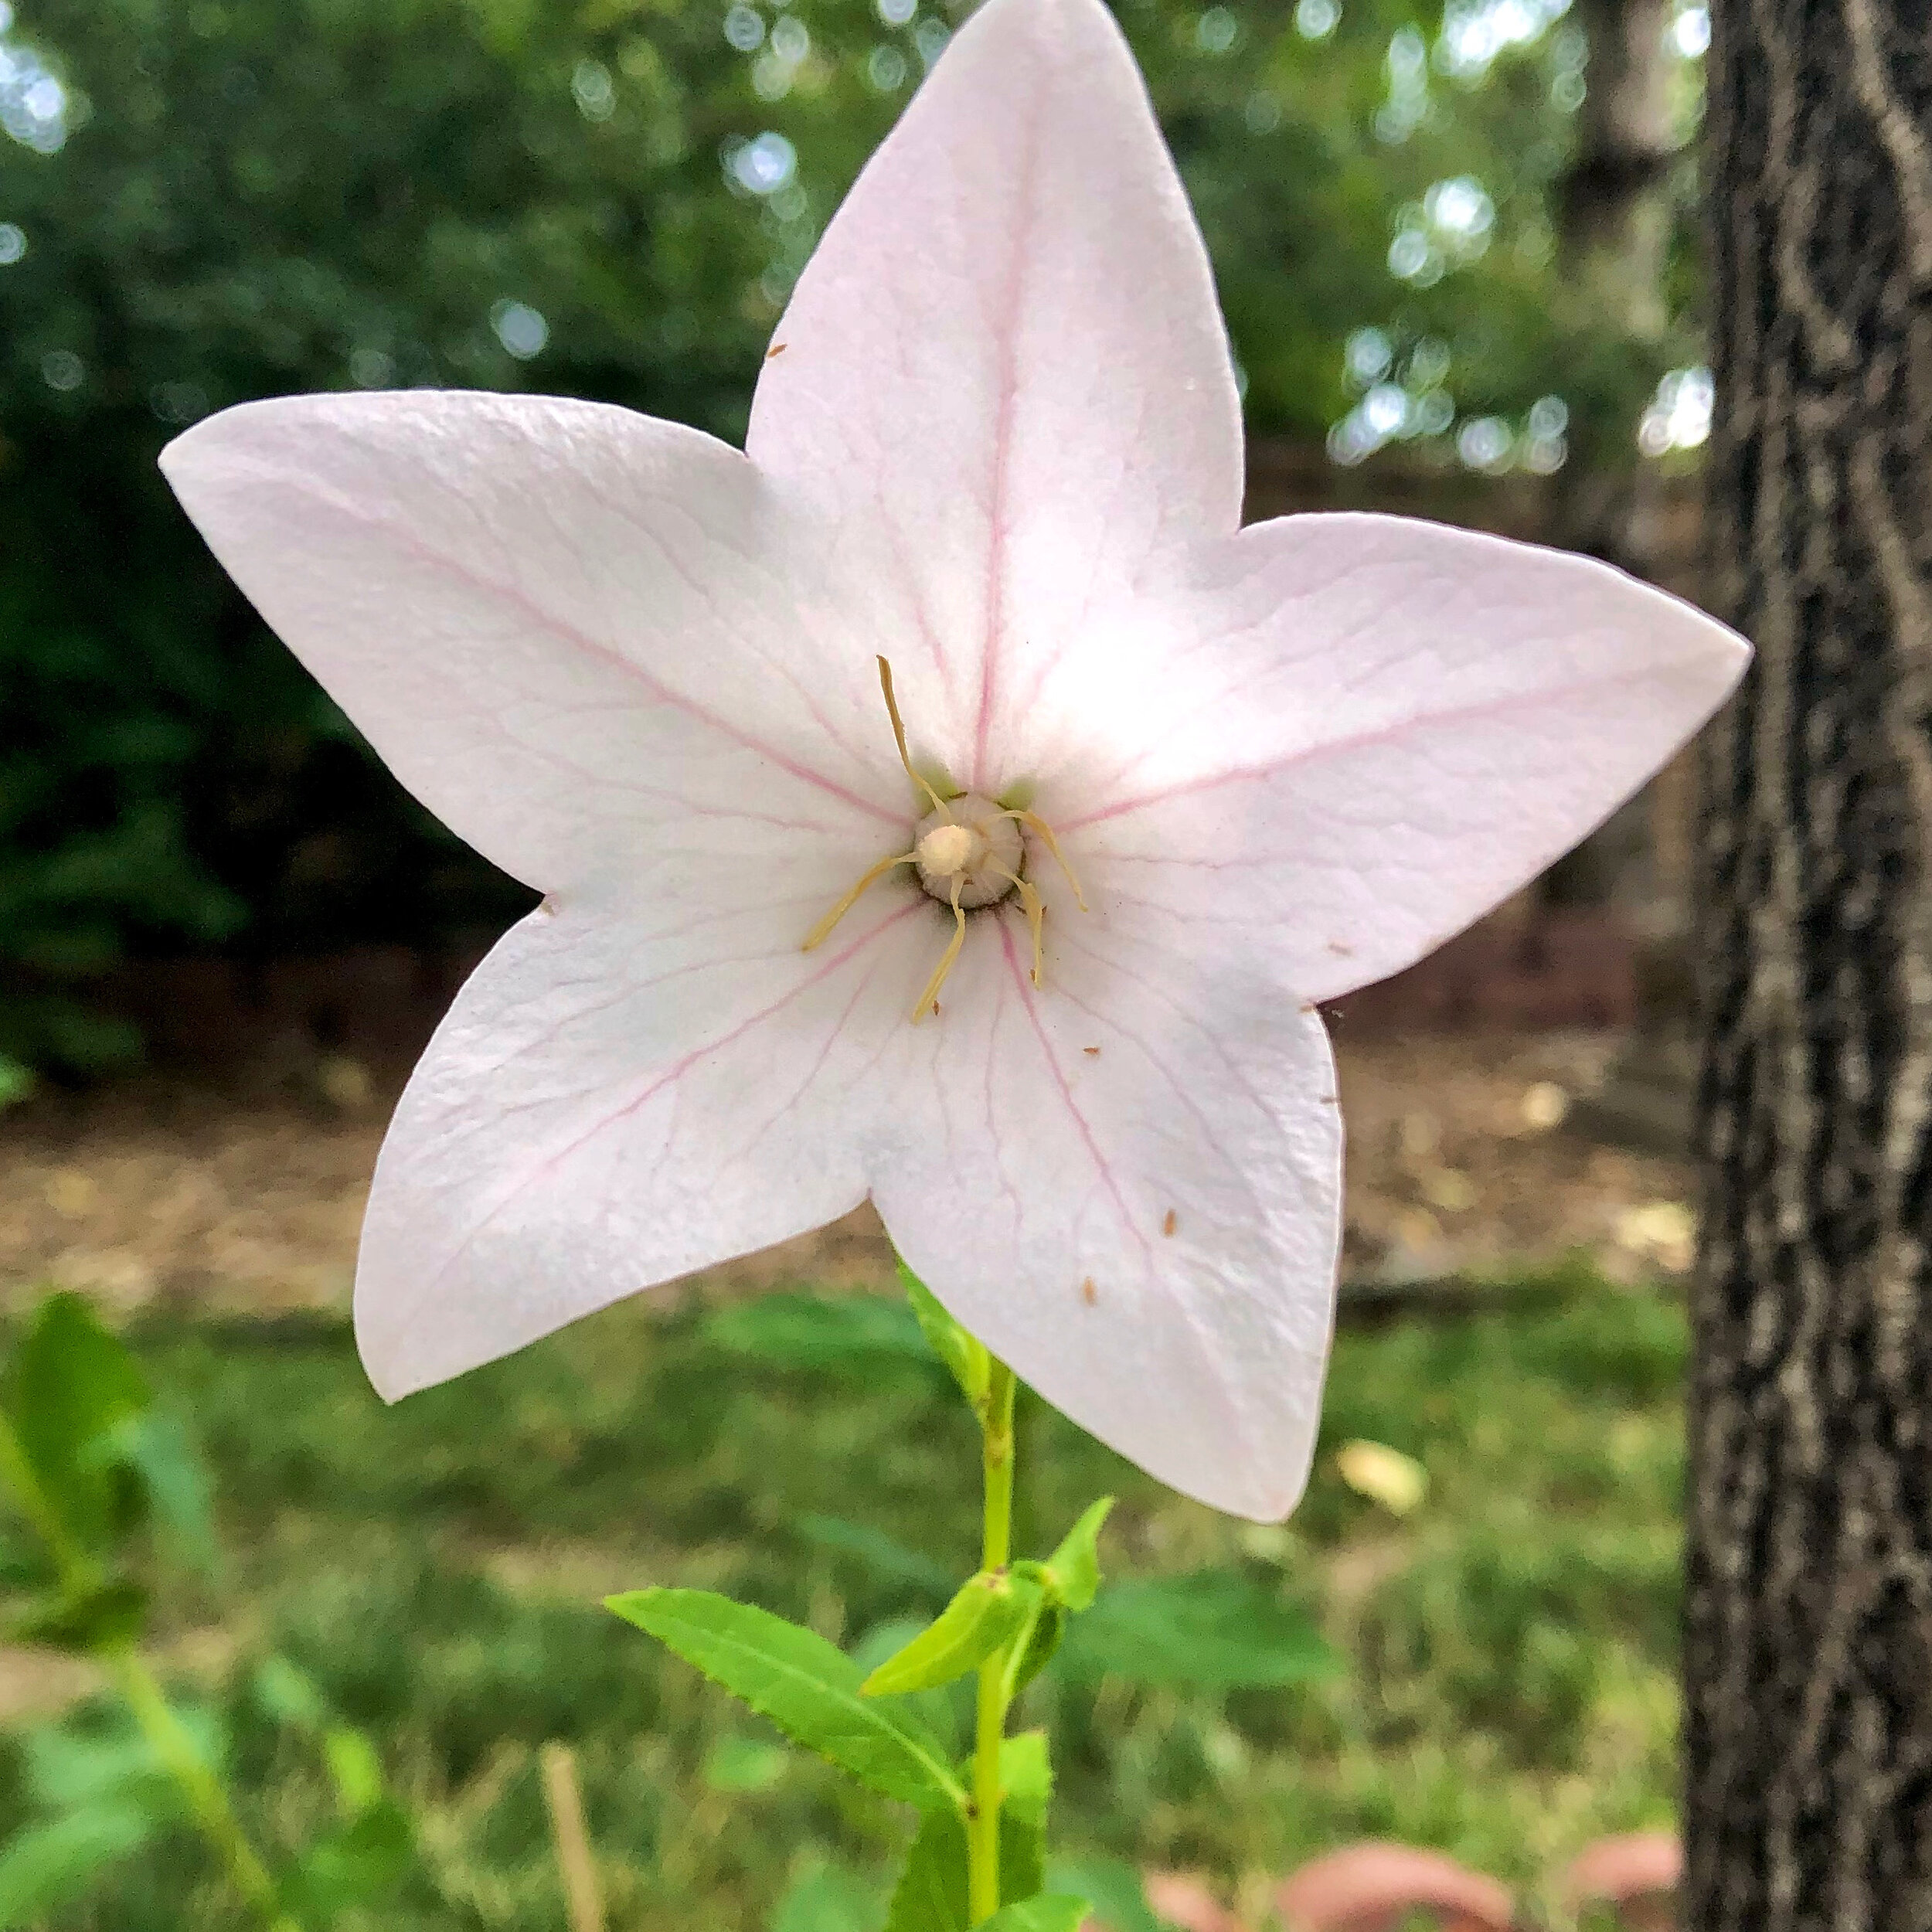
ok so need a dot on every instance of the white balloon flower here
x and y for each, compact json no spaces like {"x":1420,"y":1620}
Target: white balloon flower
{"x":996,"y":443}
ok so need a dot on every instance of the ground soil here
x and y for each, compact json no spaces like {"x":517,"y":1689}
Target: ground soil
{"x":246,"y":1194}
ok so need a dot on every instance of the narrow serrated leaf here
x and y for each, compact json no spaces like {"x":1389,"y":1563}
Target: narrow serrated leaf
{"x":1075,"y":1567}
{"x":985,"y":1611}
{"x":810,"y":1690}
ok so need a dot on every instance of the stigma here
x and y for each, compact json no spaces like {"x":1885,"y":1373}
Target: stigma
{"x":971,"y":841}
{"x":968,"y":852}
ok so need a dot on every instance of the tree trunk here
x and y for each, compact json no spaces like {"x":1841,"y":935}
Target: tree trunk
{"x":1614,"y":231}
{"x":1808,"y":1629}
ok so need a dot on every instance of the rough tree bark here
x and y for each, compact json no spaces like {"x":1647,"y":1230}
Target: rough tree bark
{"x":1809,"y":1633}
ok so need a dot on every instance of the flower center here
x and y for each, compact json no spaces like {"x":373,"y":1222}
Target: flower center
{"x":974,"y":843}
{"x":969,"y":851}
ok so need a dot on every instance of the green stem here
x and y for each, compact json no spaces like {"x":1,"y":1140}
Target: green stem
{"x":982,"y":1824}
{"x":207,"y":1795}
{"x":79,"y":1574}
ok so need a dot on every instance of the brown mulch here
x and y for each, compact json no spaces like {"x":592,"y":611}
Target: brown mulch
{"x":247,"y":1196}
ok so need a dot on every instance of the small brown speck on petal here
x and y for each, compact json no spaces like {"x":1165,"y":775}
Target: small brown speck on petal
{"x":1336,"y":946}
{"x":1172,"y":1221}
{"x":777,"y":348}
{"x":1089,"y":1294}
{"x":1092,"y":1053}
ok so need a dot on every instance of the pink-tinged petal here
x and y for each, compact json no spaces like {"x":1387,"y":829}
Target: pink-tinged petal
{"x":1128,"y":1185}
{"x":1378,"y":728}
{"x":581,"y":636}
{"x":613,"y":1102}
{"x":1003,"y":374}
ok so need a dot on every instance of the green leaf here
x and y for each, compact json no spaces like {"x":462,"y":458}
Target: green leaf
{"x":16,"y":1082}
{"x":1075,"y":1567}
{"x":887,"y":1559}
{"x":72,"y":1768}
{"x":1045,"y":1912}
{"x":69,"y":1386}
{"x":988,"y":1609}
{"x":1026,"y":1776}
{"x":354,"y":1769}
{"x":289,"y":1696}
{"x":930,"y":1896}
{"x":1114,"y":1889}
{"x":1039,"y":1636}
{"x":181,"y":1493}
{"x":820,"y":1331}
{"x":741,"y":1764}
{"x":356,"y":1866}
{"x":1216,"y":1630}
{"x":808,"y":1689}
{"x":110,"y":1613}
{"x":43,"y":1866}
{"x":827,"y":1898}
{"x":947,"y":1713}
{"x":965,"y":1359}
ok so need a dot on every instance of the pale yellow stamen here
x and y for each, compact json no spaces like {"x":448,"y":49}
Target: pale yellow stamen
{"x":1043,"y":831}
{"x":1035,"y":911}
{"x":899,"y":737}
{"x":962,"y":858}
{"x":931,"y":997}
{"x":818,"y":934}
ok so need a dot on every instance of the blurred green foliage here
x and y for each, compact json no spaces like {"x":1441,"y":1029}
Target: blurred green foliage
{"x":104,"y":1493}
{"x":210,"y":200}
{"x":434,"y":1571}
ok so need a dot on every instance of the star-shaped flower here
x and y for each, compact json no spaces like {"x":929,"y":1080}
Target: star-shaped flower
{"x":996,"y":443}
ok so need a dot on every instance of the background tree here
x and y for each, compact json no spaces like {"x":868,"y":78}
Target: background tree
{"x":1808,"y":1651}
{"x":205,"y":201}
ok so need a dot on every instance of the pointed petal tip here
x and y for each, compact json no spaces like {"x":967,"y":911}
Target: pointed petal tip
{"x":394,"y":1367}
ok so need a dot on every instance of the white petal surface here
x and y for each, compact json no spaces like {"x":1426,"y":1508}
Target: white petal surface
{"x":1129,"y":1186}
{"x":1388,"y":727}
{"x":581,"y":637}
{"x":614,"y":1102}
{"x":1003,"y":374}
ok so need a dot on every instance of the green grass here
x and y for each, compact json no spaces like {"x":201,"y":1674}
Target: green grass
{"x":437,"y":1567}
